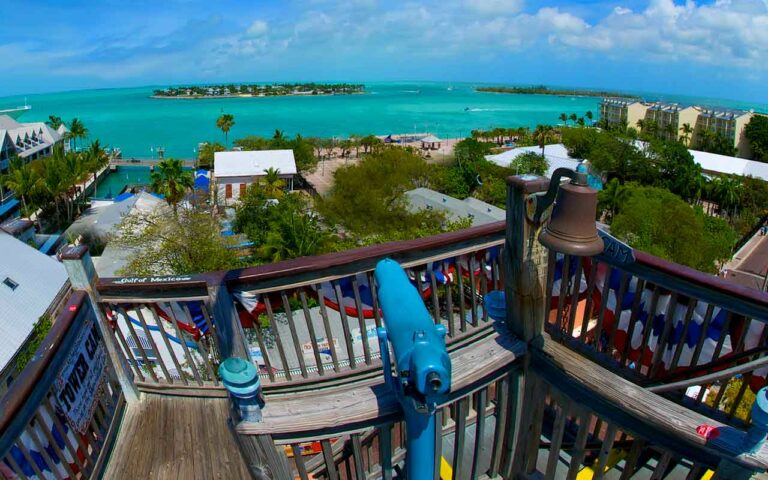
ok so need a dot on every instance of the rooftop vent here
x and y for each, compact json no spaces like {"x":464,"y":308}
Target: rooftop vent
{"x":8,"y":282}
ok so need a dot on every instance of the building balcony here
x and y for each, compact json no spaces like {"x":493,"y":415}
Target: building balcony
{"x":620,"y":365}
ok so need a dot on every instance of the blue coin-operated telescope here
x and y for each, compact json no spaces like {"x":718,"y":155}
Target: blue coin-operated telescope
{"x":421,"y":362}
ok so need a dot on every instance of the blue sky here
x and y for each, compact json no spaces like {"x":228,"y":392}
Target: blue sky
{"x":713,"y":48}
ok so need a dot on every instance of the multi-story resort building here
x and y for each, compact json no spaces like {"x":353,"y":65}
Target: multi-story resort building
{"x":28,"y":141}
{"x":688,"y":121}
{"x":560,"y":355}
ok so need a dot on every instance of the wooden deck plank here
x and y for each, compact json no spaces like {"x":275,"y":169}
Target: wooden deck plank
{"x":176,"y":437}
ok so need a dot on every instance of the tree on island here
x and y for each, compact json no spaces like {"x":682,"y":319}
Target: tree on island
{"x":225,"y":122}
{"x":172,"y":181}
{"x":77,"y":131}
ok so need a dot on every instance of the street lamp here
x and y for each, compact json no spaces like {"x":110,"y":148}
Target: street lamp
{"x":571,"y":229}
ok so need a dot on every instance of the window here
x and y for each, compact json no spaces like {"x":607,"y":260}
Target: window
{"x":228,"y":190}
{"x":242,"y":189}
{"x":10,"y":283}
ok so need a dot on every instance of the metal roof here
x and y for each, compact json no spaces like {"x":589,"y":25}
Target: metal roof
{"x":253,"y":163}
{"x":556,"y":154}
{"x":38,"y":279}
{"x":479,"y":211}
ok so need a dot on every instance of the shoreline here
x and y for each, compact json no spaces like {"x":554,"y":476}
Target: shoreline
{"x":559,"y":93}
{"x":247,"y":95}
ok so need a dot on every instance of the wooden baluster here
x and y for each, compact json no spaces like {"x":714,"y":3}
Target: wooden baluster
{"x":327,"y":327}
{"x":212,"y":373}
{"x":294,"y":335}
{"x":151,"y":339}
{"x":462,"y":311}
{"x":647,"y":328}
{"x":278,"y":340}
{"x":215,"y":350}
{"x":88,"y":465}
{"x":357,"y":454}
{"x":385,"y":451}
{"x":361,"y":321}
{"x":449,"y":302}
{"x":684,"y":334}
{"x":575,"y":297}
{"x":578,"y":452}
{"x":68,"y":447}
{"x":15,"y":466}
{"x":435,"y":297}
{"x":723,"y":333}
{"x":604,"y":294}
{"x":473,"y":286}
{"x":624,"y":283}
{"x":298,"y":459}
{"x":330,"y":463}
{"x":703,"y":336}
{"x":168,"y":346}
{"x":312,"y":334}
{"x":605,"y":449}
{"x":439,"y":424}
{"x":480,"y":407}
{"x":138,"y":343}
{"x":128,"y":351}
{"x":739,"y":396}
{"x":661,"y":467}
{"x":374,"y":298}
{"x":661,"y":345}
{"x":565,"y":279}
{"x":553,"y":456}
{"x":44,"y":454}
{"x":630,"y":464}
{"x":28,"y":457}
{"x":459,"y":438}
{"x":484,"y":284}
{"x":696,"y":472}
{"x":591,"y":282}
{"x":185,"y":349}
{"x":639,"y":290}
{"x":344,"y":324}
{"x":549,"y":286}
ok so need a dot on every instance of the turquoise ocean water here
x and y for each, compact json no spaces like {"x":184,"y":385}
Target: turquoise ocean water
{"x":127,"y":118}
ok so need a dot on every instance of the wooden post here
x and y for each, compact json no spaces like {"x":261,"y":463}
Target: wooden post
{"x":229,"y":330}
{"x":82,"y":275}
{"x":525,"y":260}
{"x":525,"y":279}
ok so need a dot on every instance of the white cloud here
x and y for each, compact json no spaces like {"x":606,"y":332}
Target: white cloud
{"x":257,"y":28}
{"x":495,"y":7}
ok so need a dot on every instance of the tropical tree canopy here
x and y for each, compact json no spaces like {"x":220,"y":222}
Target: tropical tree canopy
{"x":225,"y":122}
{"x":171,"y":180}
{"x":756,"y":132}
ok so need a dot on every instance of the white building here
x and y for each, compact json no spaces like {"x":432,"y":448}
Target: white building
{"x":233,"y":172}
{"x":31,"y":285}
{"x":556,"y":154}
{"x":476,"y":210}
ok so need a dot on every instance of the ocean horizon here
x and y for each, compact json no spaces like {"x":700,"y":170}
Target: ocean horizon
{"x":127,"y":118}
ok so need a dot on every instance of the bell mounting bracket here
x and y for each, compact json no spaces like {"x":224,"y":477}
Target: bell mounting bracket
{"x":538,"y":203}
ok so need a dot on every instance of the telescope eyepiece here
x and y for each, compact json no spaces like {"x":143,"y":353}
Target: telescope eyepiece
{"x":434,"y":382}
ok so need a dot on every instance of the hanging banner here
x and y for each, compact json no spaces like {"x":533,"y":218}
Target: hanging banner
{"x":81,"y":378}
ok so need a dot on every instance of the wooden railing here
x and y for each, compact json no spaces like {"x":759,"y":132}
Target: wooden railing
{"x":59,"y":418}
{"x":688,"y":335}
{"x":302,"y":321}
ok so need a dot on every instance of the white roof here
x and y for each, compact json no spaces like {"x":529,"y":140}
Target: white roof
{"x":27,"y":138}
{"x":712,"y":162}
{"x":480,"y":212}
{"x":556,"y":154}
{"x":39,"y":278}
{"x":253,"y":163}
{"x":431,"y":139}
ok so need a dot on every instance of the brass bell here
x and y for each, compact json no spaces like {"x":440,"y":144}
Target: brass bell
{"x":572,"y":229}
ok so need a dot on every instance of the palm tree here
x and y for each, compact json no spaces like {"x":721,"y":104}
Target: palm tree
{"x":54,"y":122}
{"x":727,"y":190}
{"x":671,"y":130}
{"x":54,"y":180}
{"x":563,"y":118}
{"x":580,"y":121}
{"x":573,"y":117}
{"x":77,"y":131}
{"x":685,"y":138}
{"x":589,"y":116}
{"x":22,"y":179}
{"x":641,"y":125}
{"x":297,"y":235}
{"x":172,"y":181}
{"x":272,"y":184}
{"x":225,"y":122}
{"x":278,"y":135}
{"x":95,"y":159}
{"x":543,"y":135}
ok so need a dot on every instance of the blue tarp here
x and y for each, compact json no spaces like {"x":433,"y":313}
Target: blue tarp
{"x":48,"y":245}
{"x":8,"y":206}
{"x":202,"y":182}
{"x":123,"y":196}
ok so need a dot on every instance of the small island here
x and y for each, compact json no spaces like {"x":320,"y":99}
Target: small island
{"x":544,"y":90}
{"x":258,"y":90}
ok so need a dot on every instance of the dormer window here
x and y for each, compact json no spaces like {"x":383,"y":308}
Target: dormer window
{"x":10,"y":283}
